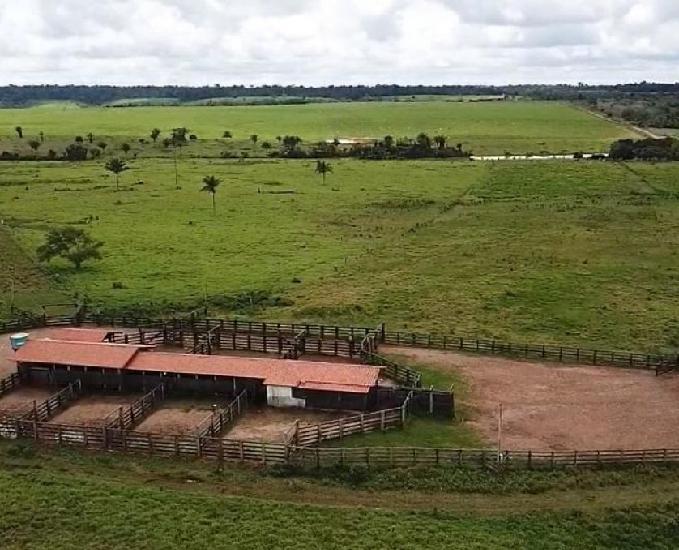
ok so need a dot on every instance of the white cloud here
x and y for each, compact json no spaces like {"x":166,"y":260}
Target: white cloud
{"x":337,"y":41}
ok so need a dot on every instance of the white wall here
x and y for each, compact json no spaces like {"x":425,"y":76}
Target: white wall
{"x":281,"y":396}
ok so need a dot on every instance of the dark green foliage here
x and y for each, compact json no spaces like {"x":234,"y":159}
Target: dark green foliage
{"x":75,"y":152}
{"x":116,"y":166}
{"x":210,"y":184}
{"x":645,"y":149}
{"x":70,"y":243}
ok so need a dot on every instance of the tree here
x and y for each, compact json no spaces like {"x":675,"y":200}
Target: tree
{"x":323,"y":168}
{"x":125,"y":148}
{"x":290,"y":143}
{"x":154,"y":134}
{"x":388,"y":142}
{"x":210,"y":184}
{"x":90,"y":137}
{"x":116,"y":166}
{"x":20,"y":131}
{"x":179,"y":135}
{"x":72,"y":244}
{"x":167,"y":142}
{"x":423,"y":140}
{"x":227,"y":135}
{"x":102,"y":145}
{"x":254,"y":138}
{"x":42,"y":137}
{"x":440,"y":140}
{"x":35,"y":145}
{"x":79,"y":139}
{"x":75,"y":151}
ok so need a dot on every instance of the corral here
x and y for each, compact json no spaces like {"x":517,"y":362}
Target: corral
{"x":556,"y":407}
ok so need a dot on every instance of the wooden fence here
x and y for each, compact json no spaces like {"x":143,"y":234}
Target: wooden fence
{"x":405,"y":375}
{"x":8,"y":383}
{"x":381,"y":420}
{"x":192,"y":446}
{"x":42,"y":412}
{"x":219,"y":419}
{"x":355,"y":335}
{"x":385,"y":457}
{"x":531,"y":351}
{"x":126,"y":417}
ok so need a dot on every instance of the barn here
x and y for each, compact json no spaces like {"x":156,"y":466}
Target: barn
{"x":278,"y":382}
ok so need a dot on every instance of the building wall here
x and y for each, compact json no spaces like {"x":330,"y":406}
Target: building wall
{"x":281,"y":396}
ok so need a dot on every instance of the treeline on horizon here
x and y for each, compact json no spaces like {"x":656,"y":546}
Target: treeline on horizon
{"x":13,"y":95}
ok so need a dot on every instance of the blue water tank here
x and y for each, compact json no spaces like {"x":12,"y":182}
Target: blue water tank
{"x":17,"y":340}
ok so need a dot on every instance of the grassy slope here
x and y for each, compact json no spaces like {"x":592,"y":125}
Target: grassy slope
{"x":64,"y":500}
{"x":485,"y":128}
{"x":563,"y":252}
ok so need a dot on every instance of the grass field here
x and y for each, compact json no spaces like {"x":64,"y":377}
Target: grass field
{"x":65,"y":500}
{"x":484,"y":128}
{"x":563,"y":252}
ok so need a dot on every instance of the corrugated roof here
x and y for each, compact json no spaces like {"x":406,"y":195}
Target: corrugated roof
{"x":275,"y":372}
{"x":82,"y":354}
{"x":77,"y":334}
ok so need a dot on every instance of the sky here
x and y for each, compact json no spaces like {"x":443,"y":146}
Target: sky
{"x":321,"y":42}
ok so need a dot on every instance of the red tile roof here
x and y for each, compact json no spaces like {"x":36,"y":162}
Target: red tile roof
{"x":83,"y":354}
{"x":77,"y":334}
{"x":315,"y":375}
{"x":275,"y":372}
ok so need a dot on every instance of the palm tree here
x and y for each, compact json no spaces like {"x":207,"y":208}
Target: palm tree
{"x":20,"y":131}
{"x":116,"y":166}
{"x":90,"y":137}
{"x":210,"y":184}
{"x":42,"y":137}
{"x":323,"y":168}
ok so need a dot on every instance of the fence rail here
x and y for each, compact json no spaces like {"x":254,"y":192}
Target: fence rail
{"x":531,"y":351}
{"x":426,"y":456}
{"x":45,"y":410}
{"x":126,"y":417}
{"x":353,"y":336}
{"x":149,"y":443}
{"x":8,"y":383}
{"x":219,"y":419}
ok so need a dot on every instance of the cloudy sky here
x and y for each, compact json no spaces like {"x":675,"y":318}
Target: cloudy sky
{"x":318,"y":42}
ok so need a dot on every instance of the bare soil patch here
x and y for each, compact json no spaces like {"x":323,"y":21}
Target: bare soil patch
{"x":93,"y":410}
{"x":176,"y":417}
{"x":558,"y":407}
{"x":22,"y":397}
{"x":270,"y":424}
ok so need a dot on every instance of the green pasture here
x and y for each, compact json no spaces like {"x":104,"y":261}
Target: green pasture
{"x":484,"y":128}
{"x":564,"y":252}
{"x":62,"y":500}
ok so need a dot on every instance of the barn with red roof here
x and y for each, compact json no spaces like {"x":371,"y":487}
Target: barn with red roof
{"x":281,"y":382}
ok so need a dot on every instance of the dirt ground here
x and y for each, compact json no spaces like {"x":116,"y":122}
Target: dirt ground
{"x":176,"y":417}
{"x":270,"y":424}
{"x":557,"y":407}
{"x":22,"y":397}
{"x":93,"y":410}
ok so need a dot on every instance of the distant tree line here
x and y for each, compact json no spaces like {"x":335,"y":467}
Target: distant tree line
{"x":648,"y":111}
{"x":97,"y":95}
{"x":645,"y":149}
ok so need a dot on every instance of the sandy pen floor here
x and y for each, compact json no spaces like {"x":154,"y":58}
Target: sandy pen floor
{"x":557,"y":407}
